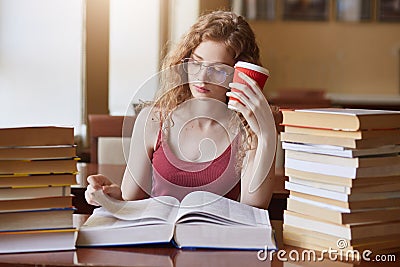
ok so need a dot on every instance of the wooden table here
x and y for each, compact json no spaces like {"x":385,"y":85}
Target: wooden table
{"x":167,"y":255}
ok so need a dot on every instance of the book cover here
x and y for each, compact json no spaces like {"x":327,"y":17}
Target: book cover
{"x":37,"y":180}
{"x":342,"y":119}
{"x":347,"y":231}
{"x":36,"y":203}
{"x":365,"y":134}
{"x":344,"y":181}
{"x":332,"y":214}
{"x":357,"y":162}
{"x":340,"y":141}
{"x":38,"y":166}
{"x":342,"y":171}
{"x":20,"y":220}
{"x":37,"y":152}
{"x":9,"y":193}
{"x":342,"y":151}
{"x":37,"y":136}
{"x":36,"y":241}
{"x":341,"y":196}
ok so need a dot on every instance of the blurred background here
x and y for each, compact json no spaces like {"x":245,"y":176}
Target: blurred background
{"x":61,"y":60}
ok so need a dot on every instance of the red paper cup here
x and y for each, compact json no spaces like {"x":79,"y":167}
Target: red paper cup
{"x":256,"y":72}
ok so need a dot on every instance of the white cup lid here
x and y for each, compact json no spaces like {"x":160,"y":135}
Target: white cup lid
{"x":251,"y":66}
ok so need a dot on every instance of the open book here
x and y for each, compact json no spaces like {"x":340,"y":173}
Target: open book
{"x":201,"y":219}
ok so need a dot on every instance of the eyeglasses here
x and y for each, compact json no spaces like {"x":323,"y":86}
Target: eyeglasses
{"x":216,"y":72}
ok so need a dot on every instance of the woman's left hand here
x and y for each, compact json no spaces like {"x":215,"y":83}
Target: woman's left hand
{"x":253,"y":105}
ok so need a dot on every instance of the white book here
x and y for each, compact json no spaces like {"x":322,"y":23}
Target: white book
{"x":382,"y":187}
{"x":326,"y":186}
{"x":320,"y":204}
{"x":341,"y":151}
{"x":201,"y":219}
{"x":358,"y":162}
{"x":341,"y":171}
{"x":339,"y":196}
{"x":37,"y":241}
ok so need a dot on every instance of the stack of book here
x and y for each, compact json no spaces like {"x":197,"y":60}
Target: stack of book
{"x":344,"y":179}
{"x":37,"y":168}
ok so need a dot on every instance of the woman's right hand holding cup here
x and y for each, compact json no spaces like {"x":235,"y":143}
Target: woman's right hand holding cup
{"x":101,"y":182}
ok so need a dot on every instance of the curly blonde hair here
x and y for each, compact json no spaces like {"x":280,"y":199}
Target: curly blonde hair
{"x":220,"y":26}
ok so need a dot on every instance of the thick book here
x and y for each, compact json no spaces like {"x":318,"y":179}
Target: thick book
{"x":342,"y":119}
{"x":347,"y":231}
{"x":8,"y":193}
{"x":342,"y":171}
{"x":381,"y":187}
{"x":36,"y":203}
{"x":201,"y":220}
{"x":341,"y":216}
{"x":340,"y":141}
{"x":365,"y":134}
{"x":358,"y":162}
{"x":37,"y":152}
{"x":340,"y":196}
{"x":353,"y":205}
{"x":26,"y":180}
{"x":37,"y":241}
{"x":342,"y":151}
{"x":38,"y":166}
{"x":37,"y":136}
{"x":344,"y":181}
{"x":20,"y":220}
{"x":296,"y":236}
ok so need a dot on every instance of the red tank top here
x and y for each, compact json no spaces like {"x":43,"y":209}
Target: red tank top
{"x":175,"y":177}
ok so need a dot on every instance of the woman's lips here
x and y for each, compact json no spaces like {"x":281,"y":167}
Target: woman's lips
{"x":201,"y":89}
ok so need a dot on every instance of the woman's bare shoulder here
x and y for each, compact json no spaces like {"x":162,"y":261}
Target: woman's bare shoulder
{"x":148,"y":123}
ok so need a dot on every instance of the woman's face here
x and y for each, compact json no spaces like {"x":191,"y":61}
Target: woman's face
{"x":211,"y":62}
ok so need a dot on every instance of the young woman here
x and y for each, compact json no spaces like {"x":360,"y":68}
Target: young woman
{"x":193,"y":137}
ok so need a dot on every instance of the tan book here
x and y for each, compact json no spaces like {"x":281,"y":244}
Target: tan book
{"x":350,"y":182}
{"x":325,"y":213}
{"x":354,"y":205}
{"x":37,"y":136}
{"x":38,"y":166}
{"x":340,"y":141}
{"x":8,"y":193}
{"x":42,"y":219}
{"x":342,"y":119}
{"x":37,"y":152}
{"x":366,"y":134}
{"x":346,"y":231}
{"x":333,"y":239}
{"x":306,"y":241}
{"x":37,"y":180}
{"x":36,"y":203}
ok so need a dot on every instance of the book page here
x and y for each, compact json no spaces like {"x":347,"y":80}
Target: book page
{"x":219,"y":209}
{"x":159,"y":208}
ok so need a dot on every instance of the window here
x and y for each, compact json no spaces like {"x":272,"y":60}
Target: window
{"x":41,"y":55}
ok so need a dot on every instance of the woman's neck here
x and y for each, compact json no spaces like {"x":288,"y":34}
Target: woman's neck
{"x":205,"y":111}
